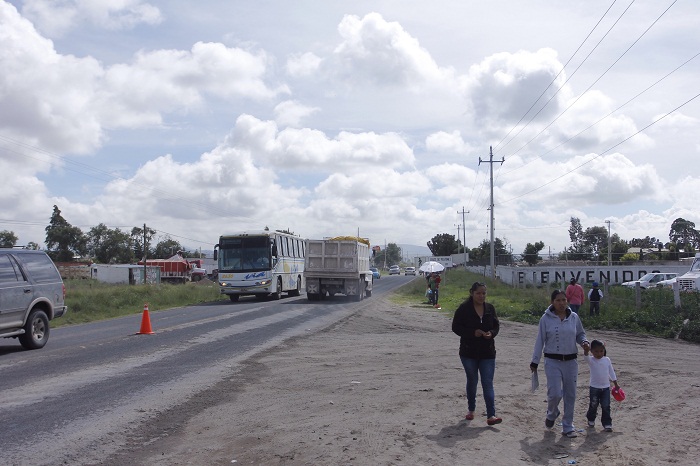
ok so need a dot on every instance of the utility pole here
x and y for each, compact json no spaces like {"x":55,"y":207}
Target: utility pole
{"x":464,"y":234}
{"x":458,"y":236}
{"x":609,"y":250}
{"x":145,"y":255}
{"x":493,"y":246}
{"x":385,"y":254}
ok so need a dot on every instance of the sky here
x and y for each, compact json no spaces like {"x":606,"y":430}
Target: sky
{"x":383,"y":118}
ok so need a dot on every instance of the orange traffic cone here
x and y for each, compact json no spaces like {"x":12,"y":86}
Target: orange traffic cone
{"x":145,"y":323}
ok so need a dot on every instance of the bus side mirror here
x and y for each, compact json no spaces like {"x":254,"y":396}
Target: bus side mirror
{"x":216,"y":250}
{"x":274,"y":250}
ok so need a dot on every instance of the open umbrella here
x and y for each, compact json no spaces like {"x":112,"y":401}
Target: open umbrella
{"x":432,"y":266}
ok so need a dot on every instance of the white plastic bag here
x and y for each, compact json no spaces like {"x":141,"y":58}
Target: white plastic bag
{"x":535,"y":381}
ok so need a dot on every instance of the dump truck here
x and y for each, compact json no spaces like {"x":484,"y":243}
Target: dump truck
{"x":174,"y":269}
{"x":337,"y":266}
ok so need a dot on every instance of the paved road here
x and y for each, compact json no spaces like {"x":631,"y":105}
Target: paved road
{"x":76,"y":400}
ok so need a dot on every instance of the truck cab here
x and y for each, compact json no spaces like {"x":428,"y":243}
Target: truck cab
{"x":690,"y":281}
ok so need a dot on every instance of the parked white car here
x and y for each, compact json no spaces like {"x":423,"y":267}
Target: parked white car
{"x":651,"y":280}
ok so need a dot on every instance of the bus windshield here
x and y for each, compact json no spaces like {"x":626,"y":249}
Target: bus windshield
{"x":243,"y":254}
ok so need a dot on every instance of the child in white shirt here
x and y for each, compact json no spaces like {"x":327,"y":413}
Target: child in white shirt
{"x":602,"y":373}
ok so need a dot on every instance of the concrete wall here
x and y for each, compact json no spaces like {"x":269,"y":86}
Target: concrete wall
{"x":123,"y":273}
{"x":613,"y":275}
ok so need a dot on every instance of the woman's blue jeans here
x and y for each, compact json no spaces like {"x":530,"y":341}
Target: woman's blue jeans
{"x":486,"y":368}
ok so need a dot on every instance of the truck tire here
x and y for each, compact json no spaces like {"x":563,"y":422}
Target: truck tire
{"x":360,"y":290}
{"x":36,"y":330}
{"x":313,"y":296}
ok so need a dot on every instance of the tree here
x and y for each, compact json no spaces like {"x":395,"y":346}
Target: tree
{"x":647,"y":242}
{"x":530,"y":254}
{"x":137,"y":241}
{"x":63,"y":240}
{"x":443,"y":245}
{"x":481,"y":255}
{"x":110,"y":245}
{"x":8,"y":239}
{"x":684,"y":235}
{"x":619,"y":247}
{"x":167,"y":247}
{"x":594,"y":242}
{"x":393,"y":254}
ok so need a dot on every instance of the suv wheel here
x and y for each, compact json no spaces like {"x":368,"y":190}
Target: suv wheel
{"x":36,"y":330}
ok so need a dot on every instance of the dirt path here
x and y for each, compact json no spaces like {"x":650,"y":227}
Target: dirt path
{"x":386,"y":387}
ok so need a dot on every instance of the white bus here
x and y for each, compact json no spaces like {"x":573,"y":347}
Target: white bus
{"x":260,"y":263}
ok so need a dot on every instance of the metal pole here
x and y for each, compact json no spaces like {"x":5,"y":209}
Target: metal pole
{"x":493,"y":246}
{"x":464,"y":235}
{"x":609,"y":249}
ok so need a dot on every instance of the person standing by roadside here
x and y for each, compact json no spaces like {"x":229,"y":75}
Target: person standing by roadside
{"x":434,"y":284}
{"x":574,"y":295}
{"x":560,"y":330}
{"x":476,"y":323}
{"x":594,"y":297}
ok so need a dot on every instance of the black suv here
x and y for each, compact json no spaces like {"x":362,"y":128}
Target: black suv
{"x":31,"y":294}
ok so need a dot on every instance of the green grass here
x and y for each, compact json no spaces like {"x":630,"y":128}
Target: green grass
{"x":655,"y":316}
{"x":90,"y":300}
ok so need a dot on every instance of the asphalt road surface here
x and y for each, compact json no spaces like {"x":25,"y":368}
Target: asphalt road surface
{"x":77,"y":400}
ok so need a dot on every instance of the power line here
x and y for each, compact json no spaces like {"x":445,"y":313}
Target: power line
{"x":561,"y":71}
{"x":604,"y":152}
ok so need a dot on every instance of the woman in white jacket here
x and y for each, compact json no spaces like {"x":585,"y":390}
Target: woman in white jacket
{"x":559,"y":332}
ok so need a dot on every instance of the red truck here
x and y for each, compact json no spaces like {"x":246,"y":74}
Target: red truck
{"x":175,"y":269}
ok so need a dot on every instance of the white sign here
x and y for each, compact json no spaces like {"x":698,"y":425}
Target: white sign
{"x":445,"y":261}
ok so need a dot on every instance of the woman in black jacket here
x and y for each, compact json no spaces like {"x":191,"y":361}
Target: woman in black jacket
{"x":476,"y":322}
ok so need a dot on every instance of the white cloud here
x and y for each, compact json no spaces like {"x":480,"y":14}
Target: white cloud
{"x":445,"y":142}
{"x":382,"y":53}
{"x":504,"y":86}
{"x":302,"y":65}
{"x":56,"y":17}
{"x":291,"y":113}
{"x":305,"y":148}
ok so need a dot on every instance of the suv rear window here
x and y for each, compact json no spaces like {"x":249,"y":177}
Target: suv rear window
{"x":8,"y":270}
{"x":41,"y":268}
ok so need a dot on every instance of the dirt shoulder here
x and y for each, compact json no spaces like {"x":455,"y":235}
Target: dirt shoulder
{"x":385,"y":386}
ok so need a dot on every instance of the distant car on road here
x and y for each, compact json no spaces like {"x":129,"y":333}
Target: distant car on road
{"x":409,"y":271}
{"x":650,"y":280}
{"x":375,"y":272}
{"x":394,"y":270}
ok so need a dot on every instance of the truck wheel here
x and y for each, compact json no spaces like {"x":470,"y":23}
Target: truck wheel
{"x":234,"y":297}
{"x":277,"y":295}
{"x":313,"y":296}
{"x":368,"y":293}
{"x":196,"y":278}
{"x":36,"y":330}
{"x":360,"y":291}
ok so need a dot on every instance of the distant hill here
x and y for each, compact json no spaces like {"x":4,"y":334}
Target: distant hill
{"x":411,"y":250}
